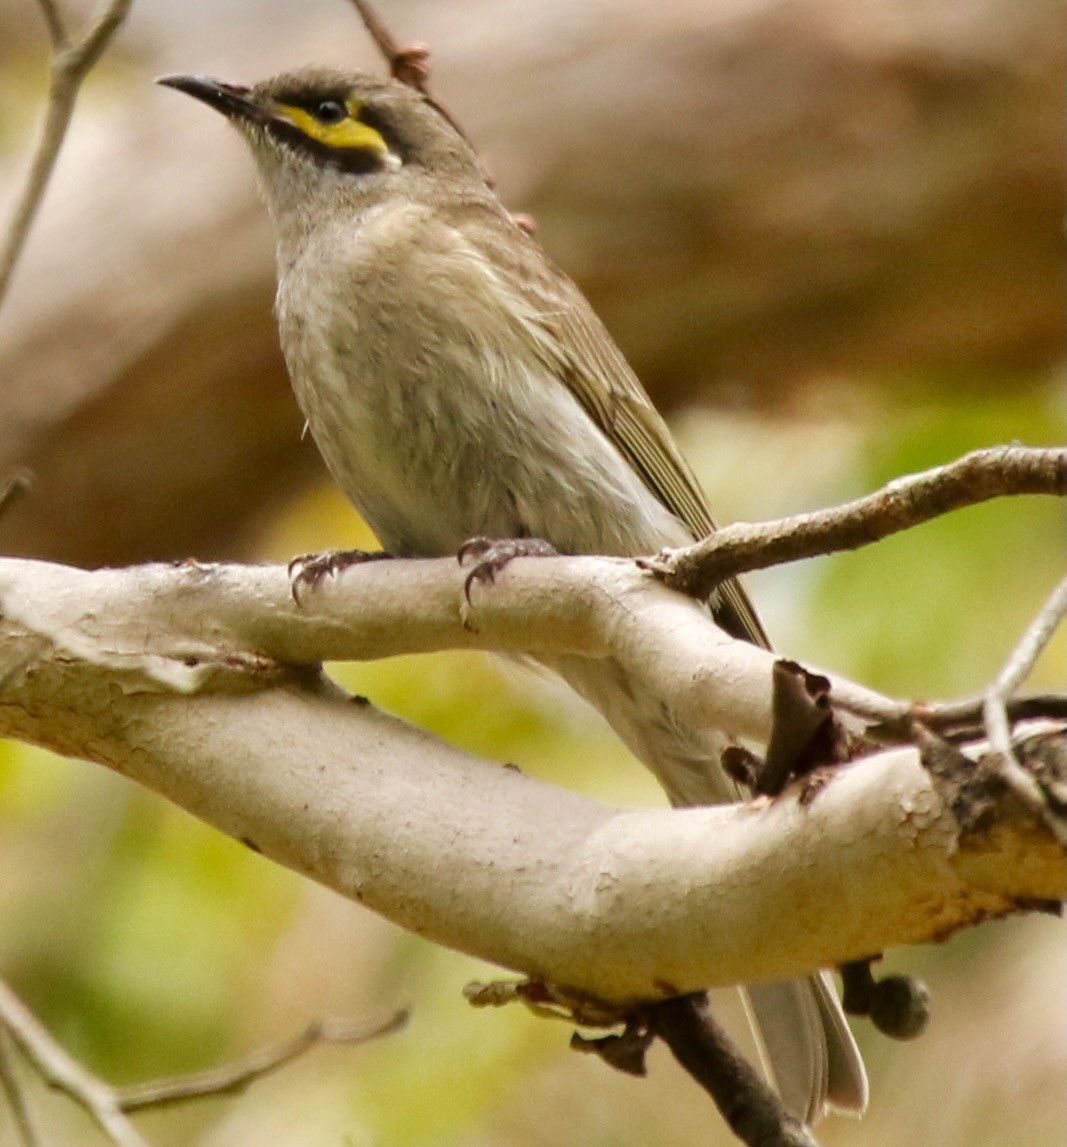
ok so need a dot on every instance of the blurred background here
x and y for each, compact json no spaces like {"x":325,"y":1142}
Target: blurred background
{"x":828,"y":236}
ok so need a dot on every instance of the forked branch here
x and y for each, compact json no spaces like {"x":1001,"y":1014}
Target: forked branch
{"x":109,"y":1107}
{"x":73,"y":56}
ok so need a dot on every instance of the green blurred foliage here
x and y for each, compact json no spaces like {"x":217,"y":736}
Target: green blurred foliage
{"x":933,"y":612}
{"x":134,"y":935}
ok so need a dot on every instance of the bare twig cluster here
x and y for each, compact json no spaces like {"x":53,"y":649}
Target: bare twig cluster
{"x":110,"y":1107}
{"x":74,"y":54}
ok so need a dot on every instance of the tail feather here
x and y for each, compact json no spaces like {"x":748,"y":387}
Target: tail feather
{"x":806,"y":1046}
{"x":847,"y":1089}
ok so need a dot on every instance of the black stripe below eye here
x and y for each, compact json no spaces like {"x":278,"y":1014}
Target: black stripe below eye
{"x":372,"y":117}
{"x":354,"y":160}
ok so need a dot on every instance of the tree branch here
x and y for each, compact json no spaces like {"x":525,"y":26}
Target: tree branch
{"x":182,"y":678}
{"x":60,"y":1071}
{"x":13,"y":1093}
{"x":236,"y":1077}
{"x":904,"y":503}
{"x":192,"y":626}
{"x":750,"y":1107}
{"x":109,"y":1106}
{"x":73,"y":57}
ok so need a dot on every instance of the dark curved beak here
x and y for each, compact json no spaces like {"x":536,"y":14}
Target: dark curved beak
{"x":232,"y":100}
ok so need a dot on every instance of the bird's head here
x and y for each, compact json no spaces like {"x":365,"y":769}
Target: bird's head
{"x":330,"y":139}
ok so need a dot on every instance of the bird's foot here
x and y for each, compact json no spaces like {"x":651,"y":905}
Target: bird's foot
{"x":307,"y":570}
{"x":490,"y":555}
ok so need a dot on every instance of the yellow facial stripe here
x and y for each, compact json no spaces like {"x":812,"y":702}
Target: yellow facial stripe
{"x":349,"y":132}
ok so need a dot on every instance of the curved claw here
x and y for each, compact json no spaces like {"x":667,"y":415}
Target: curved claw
{"x":475,"y":547}
{"x":492,"y":554}
{"x":308,"y":570}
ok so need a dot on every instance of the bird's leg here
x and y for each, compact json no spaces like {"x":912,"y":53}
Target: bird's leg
{"x":307,"y":570}
{"x":490,"y":555}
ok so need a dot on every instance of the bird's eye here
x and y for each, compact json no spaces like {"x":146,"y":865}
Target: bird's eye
{"x":329,"y":111}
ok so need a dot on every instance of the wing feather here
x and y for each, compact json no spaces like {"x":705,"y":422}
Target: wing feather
{"x":579,"y":349}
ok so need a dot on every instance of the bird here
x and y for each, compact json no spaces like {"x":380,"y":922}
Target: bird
{"x":458,"y":384}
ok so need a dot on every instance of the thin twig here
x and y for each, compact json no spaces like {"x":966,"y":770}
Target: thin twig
{"x":995,"y":711}
{"x":53,"y":18}
{"x":237,"y":1076}
{"x":902,"y":504}
{"x":14,"y":1093}
{"x":1032,"y":643}
{"x":73,"y":57}
{"x":109,"y":1106}
{"x":411,"y":66}
{"x":753,"y":1111}
{"x":60,"y":1071}
{"x":963,"y":720}
{"x":751,"y":1108}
